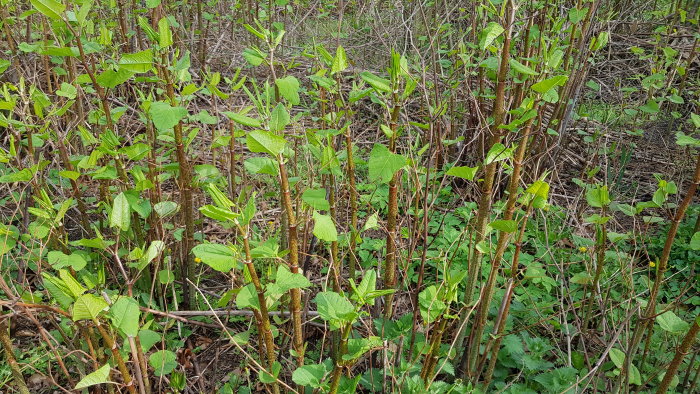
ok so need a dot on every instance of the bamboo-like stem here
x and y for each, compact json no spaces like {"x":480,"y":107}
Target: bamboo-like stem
{"x":232,"y":159}
{"x":484,"y":211}
{"x":335,"y":259}
{"x":350,"y":174}
{"x":600,"y":246}
{"x":114,"y":348}
{"x":503,"y":240}
{"x":292,"y":236}
{"x":10,"y":357}
{"x":185,"y":184}
{"x":650,"y":312}
{"x":263,"y":318}
{"x":681,"y":352}
{"x":389,"y":276}
{"x":507,"y":301}
{"x":431,"y":358}
{"x":293,"y":261}
{"x":339,"y":364}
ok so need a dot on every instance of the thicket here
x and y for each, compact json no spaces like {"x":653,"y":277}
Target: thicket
{"x":349,"y":196}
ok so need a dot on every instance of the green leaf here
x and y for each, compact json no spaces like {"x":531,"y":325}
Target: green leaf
{"x":165,"y":36}
{"x":50,"y":8}
{"x":695,"y":241}
{"x":253,"y":56}
{"x":549,"y":83}
{"x":219,"y":257}
{"x":359,"y":346}
{"x":260,"y":141}
{"x":576,"y":15}
{"x":368,"y":284}
{"x":216,"y":213}
{"x":489,"y":34}
{"x":617,"y":356}
{"x":431,"y":306}
{"x":255,"y":32}
{"x":125,"y":316}
{"x":635,"y":376}
{"x":67,"y":90}
{"x":340,"y":61}
{"x":285,"y":280}
{"x":598,"y":197}
{"x":261,"y":165}
{"x":279,"y":118}
{"x":58,"y":290}
{"x":24,"y":175}
{"x":695,"y":118}
{"x":379,"y":84}
{"x":498,"y":152}
{"x":334,"y":308}
{"x":242,"y":119}
{"x":669,"y":322}
{"x":166,"y":208}
{"x":316,"y":198}
{"x":582,"y":278}
{"x":165,"y":116}
{"x":248,"y":298}
{"x":324,"y":228}
{"x":372,"y":222}
{"x":651,"y":107}
{"x":154,"y":249}
{"x":88,"y":307}
{"x":383,"y":164}
{"x":289,"y":88}
{"x":111,"y":79}
{"x":507,"y":226}
{"x":59,"y":260}
{"x":685,"y":140}
{"x":98,"y":377}
{"x":4,"y":65}
{"x":166,"y":276}
{"x":521,"y":68}
{"x":121,"y":213}
{"x":148,"y":338}
{"x":310,"y":375}
{"x":463,"y":172}
{"x":139,"y":62}
{"x":267,"y":377}
{"x":163,"y":362}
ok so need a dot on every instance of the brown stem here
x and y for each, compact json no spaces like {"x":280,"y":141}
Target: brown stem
{"x":263,"y":316}
{"x":484,"y":211}
{"x":650,"y":311}
{"x":109,"y":341}
{"x":681,"y":352}
{"x":293,"y":261}
{"x":389,"y":276}
{"x":507,"y":300}
{"x":10,"y":356}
